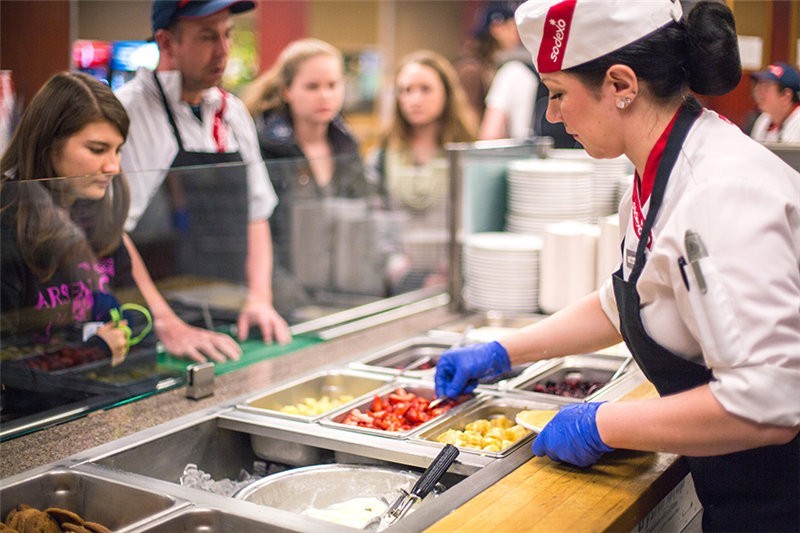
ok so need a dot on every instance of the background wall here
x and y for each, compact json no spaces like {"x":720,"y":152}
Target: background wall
{"x":35,"y":42}
{"x":115,"y":20}
{"x":777,"y":24}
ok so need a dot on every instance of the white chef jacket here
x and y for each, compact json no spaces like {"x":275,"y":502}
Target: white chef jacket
{"x":788,"y":132}
{"x":744,"y":202}
{"x":513,"y":91}
{"x":151,"y":145}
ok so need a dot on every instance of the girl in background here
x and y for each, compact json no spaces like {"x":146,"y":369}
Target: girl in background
{"x":64,"y":203}
{"x":410,"y":166}
{"x":310,"y":153}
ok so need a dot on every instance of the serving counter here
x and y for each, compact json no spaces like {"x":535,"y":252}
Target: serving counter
{"x":617,"y":494}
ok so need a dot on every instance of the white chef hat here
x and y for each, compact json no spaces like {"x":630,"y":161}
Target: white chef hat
{"x":561,"y":34}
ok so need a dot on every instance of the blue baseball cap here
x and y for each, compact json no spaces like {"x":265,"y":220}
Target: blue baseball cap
{"x":165,"y":12}
{"x":492,"y":12}
{"x":783,"y":73}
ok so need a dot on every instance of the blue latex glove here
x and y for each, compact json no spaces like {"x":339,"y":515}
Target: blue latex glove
{"x":458,"y":370}
{"x":180,"y":220}
{"x":572,"y":436}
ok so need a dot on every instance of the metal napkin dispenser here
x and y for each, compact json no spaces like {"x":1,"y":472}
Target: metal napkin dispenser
{"x":200,"y":380}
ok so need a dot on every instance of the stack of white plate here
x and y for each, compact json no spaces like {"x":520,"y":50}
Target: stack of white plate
{"x":426,"y":248}
{"x":605,"y":181}
{"x":547,"y":191}
{"x":501,"y":272}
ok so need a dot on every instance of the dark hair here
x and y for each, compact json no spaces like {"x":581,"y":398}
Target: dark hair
{"x":52,"y":231}
{"x":700,"y":53}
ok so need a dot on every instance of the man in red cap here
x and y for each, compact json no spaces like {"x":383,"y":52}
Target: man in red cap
{"x":777,"y":95}
{"x":187,"y":131}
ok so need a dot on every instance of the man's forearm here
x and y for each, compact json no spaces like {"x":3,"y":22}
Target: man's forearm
{"x":259,"y":261}
{"x":155,"y":301}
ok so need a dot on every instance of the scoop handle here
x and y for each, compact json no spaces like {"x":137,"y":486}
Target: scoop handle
{"x":428,"y":480}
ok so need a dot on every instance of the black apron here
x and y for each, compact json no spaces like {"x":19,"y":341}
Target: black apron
{"x":214,"y":186}
{"x":753,"y":490}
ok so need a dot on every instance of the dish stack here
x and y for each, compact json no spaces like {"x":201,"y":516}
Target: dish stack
{"x":547,"y":191}
{"x":608,"y":252}
{"x":568,"y":268}
{"x":606,"y":178}
{"x":501,"y":272}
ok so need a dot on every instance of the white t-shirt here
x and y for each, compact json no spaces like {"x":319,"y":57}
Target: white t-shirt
{"x":151,"y":145}
{"x":788,"y":132}
{"x":744,"y":202}
{"x":513,"y":91}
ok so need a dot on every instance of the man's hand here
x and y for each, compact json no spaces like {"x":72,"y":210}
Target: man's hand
{"x":263,"y":315}
{"x":189,"y":342}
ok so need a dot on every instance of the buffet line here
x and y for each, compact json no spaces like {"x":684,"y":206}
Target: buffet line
{"x":329,"y":449}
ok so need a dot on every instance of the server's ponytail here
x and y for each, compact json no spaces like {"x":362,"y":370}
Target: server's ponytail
{"x":713,"y":65}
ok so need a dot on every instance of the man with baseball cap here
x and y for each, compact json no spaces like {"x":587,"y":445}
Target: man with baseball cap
{"x":166,"y":12}
{"x":187,"y":131}
{"x":776,"y":91}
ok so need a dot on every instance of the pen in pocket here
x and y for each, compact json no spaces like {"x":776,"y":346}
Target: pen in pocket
{"x":682,"y":266}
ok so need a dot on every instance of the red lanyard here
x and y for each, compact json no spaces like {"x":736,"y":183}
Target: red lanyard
{"x":642,"y":187}
{"x":220,"y":129}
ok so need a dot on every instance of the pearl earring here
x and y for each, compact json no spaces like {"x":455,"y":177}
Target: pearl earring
{"x":623,"y":102}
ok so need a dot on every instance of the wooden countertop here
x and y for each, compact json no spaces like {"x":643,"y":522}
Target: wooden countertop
{"x":613,"y":495}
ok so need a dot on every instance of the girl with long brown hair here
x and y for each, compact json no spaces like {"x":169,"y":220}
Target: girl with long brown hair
{"x":410,"y":167}
{"x":312,"y":156}
{"x":63,"y":206}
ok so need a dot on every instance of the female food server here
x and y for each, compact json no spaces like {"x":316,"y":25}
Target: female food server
{"x":707,"y":296}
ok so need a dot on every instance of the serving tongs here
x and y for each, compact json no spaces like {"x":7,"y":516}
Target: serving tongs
{"x":424,"y":485}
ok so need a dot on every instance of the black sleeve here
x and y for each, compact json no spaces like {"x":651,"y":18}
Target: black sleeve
{"x":97,"y":343}
{"x":12,"y":284}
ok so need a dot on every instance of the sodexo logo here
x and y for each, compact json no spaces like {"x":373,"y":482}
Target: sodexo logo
{"x":558,"y":38}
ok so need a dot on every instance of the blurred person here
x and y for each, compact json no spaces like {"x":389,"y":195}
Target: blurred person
{"x":64,"y":203}
{"x":776,"y":92}
{"x":181,"y":118}
{"x":512,"y":93}
{"x":493,"y":35}
{"x":410,"y":165}
{"x":515,"y":101}
{"x":309,"y":150}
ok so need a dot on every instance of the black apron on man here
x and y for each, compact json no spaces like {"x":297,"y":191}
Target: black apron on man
{"x":752,"y":490}
{"x":214,"y":186}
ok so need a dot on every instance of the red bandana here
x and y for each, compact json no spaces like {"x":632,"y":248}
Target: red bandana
{"x":220,"y":130}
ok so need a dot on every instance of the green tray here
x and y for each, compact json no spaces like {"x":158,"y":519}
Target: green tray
{"x":253,"y":351}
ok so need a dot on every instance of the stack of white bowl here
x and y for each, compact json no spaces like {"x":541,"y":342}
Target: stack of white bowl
{"x":547,"y":191}
{"x":501,"y":272}
{"x":608,"y":249}
{"x":606,"y":179}
{"x":568,"y":268}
